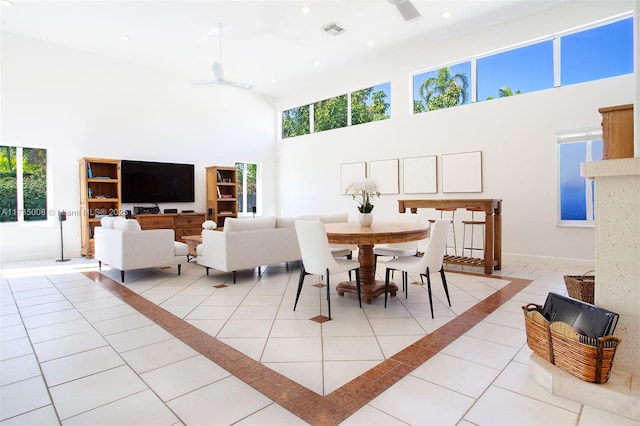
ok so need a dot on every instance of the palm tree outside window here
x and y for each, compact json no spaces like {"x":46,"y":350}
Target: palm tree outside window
{"x":443,"y":88}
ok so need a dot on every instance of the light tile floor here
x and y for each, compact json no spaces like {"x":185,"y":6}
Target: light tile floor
{"x":73,"y":353}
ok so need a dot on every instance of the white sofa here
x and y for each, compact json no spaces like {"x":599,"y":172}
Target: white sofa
{"x":249,"y":243}
{"x":121,"y":244}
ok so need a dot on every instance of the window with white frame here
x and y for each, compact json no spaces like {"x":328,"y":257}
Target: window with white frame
{"x":23,"y":184}
{"x":512,"y":72}
{"x":248,"y":183}
{"x":576,"y":193}
{"x":600,"y":52}
{"x":445,"y":87}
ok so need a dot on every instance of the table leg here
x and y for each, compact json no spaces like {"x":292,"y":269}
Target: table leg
{"x":488,"y":243}
{"x":497,"y":241}
{"x":370,"y":288}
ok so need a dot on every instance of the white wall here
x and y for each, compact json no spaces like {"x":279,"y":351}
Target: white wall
{"x":77,"y":104}
{"x":516,"y":136}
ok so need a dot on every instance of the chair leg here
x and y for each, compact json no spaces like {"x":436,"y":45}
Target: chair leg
{"x":405,"y":283}
{"x":386,"y":287}
{"x":207,"y":269}
{"x":300,"y":281}
{"x":350,"y":257}
{"x":328,"y":297}
{"x":358,"y":285}
{"x":179,"y":267}
{"x":234,"y":276}
{"x":99,"y":265}
{"x":429,"y":291}
{"x":122,"y":276}
{"x":444,"y":283}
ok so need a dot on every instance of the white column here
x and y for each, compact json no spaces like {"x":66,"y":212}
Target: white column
{"x":617,"y":231}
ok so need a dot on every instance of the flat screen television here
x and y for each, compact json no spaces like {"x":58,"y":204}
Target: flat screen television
{"x":153,"y":182}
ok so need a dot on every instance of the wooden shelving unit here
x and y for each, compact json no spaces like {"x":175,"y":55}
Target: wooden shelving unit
{"x":222,"y":193}
{"x":99,"y":196}
{"x":617,"y":131}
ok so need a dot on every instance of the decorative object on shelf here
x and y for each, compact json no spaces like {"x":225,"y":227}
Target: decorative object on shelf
{"x":363,"y":191}
{"x":209,"y":225}
{"x":366,"y":219}
{"x":89,"y":172}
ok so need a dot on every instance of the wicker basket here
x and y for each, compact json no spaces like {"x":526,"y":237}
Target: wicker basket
{"x":580,"y":286}
{"x":586,"y":358}
{"x":588,"y":362}
{"x":538,"y":333}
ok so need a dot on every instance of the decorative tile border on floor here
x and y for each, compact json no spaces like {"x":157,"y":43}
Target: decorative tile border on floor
{"x":304,"y":403}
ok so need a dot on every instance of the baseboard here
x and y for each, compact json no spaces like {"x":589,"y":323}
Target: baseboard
{"x":528,"y":258}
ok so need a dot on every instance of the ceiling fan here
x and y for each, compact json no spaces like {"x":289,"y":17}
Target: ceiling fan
{"x":406,"y":9}
{"x":218,"y":71}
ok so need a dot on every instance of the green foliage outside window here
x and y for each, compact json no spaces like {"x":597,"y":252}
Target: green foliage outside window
{"x":330,"y":113}
{"x":33,"y":172}
{"x":445,"y":90}
{"x":247,"y":178}
{"x":368,"y":105}
{"x":295,"y":122}
{"x":504,"y":92}
{"x":34,"y":175}
{"x":8,"y":184}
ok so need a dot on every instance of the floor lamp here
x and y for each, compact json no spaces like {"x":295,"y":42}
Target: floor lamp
{"x":62,"y":216}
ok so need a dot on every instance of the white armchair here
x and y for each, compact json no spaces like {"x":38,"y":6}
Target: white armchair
{"x":121,"y":244}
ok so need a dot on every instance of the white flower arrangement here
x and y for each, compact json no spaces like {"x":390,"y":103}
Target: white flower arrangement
{"x":363,"y":191}
{"x":209,"y":224}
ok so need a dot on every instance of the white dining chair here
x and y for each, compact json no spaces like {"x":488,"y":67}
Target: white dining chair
{"x":409,"y":248}
{"x":317,"y":258}
{"x":429,"y":263}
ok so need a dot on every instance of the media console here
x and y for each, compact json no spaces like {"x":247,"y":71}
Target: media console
{"x":183,"y":224}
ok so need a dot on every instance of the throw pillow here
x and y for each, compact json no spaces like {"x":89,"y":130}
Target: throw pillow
{"x":122,"y":224}
{"x":107,"y":221}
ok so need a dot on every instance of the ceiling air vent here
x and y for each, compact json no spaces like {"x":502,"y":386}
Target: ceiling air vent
{"x":334,"y":29}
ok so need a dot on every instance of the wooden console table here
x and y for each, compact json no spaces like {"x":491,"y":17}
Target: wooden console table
{"x":493,"y":228}
{"x":183,"y":224}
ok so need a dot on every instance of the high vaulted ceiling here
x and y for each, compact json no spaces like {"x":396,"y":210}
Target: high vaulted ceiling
{"x":271,"y":44}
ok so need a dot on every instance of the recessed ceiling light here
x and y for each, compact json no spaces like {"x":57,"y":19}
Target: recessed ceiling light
{"x":316,"y":64}
{"x":7,"y":3}
{"x":273,"y":80}
{"x":370,"y":43}
{"x":124,"y":38}
{"x":445,"y":14}
{"x":305,"y":9}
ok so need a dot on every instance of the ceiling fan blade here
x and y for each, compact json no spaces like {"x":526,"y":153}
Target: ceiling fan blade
{"x":218,"y":72}
{"x":239,"y":85}
{"x":406,"y":9}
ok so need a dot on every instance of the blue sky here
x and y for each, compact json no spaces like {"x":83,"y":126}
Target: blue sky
{"x":586,"y":55}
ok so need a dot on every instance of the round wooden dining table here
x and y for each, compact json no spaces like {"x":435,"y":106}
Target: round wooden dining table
{"x":366,"y":238}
